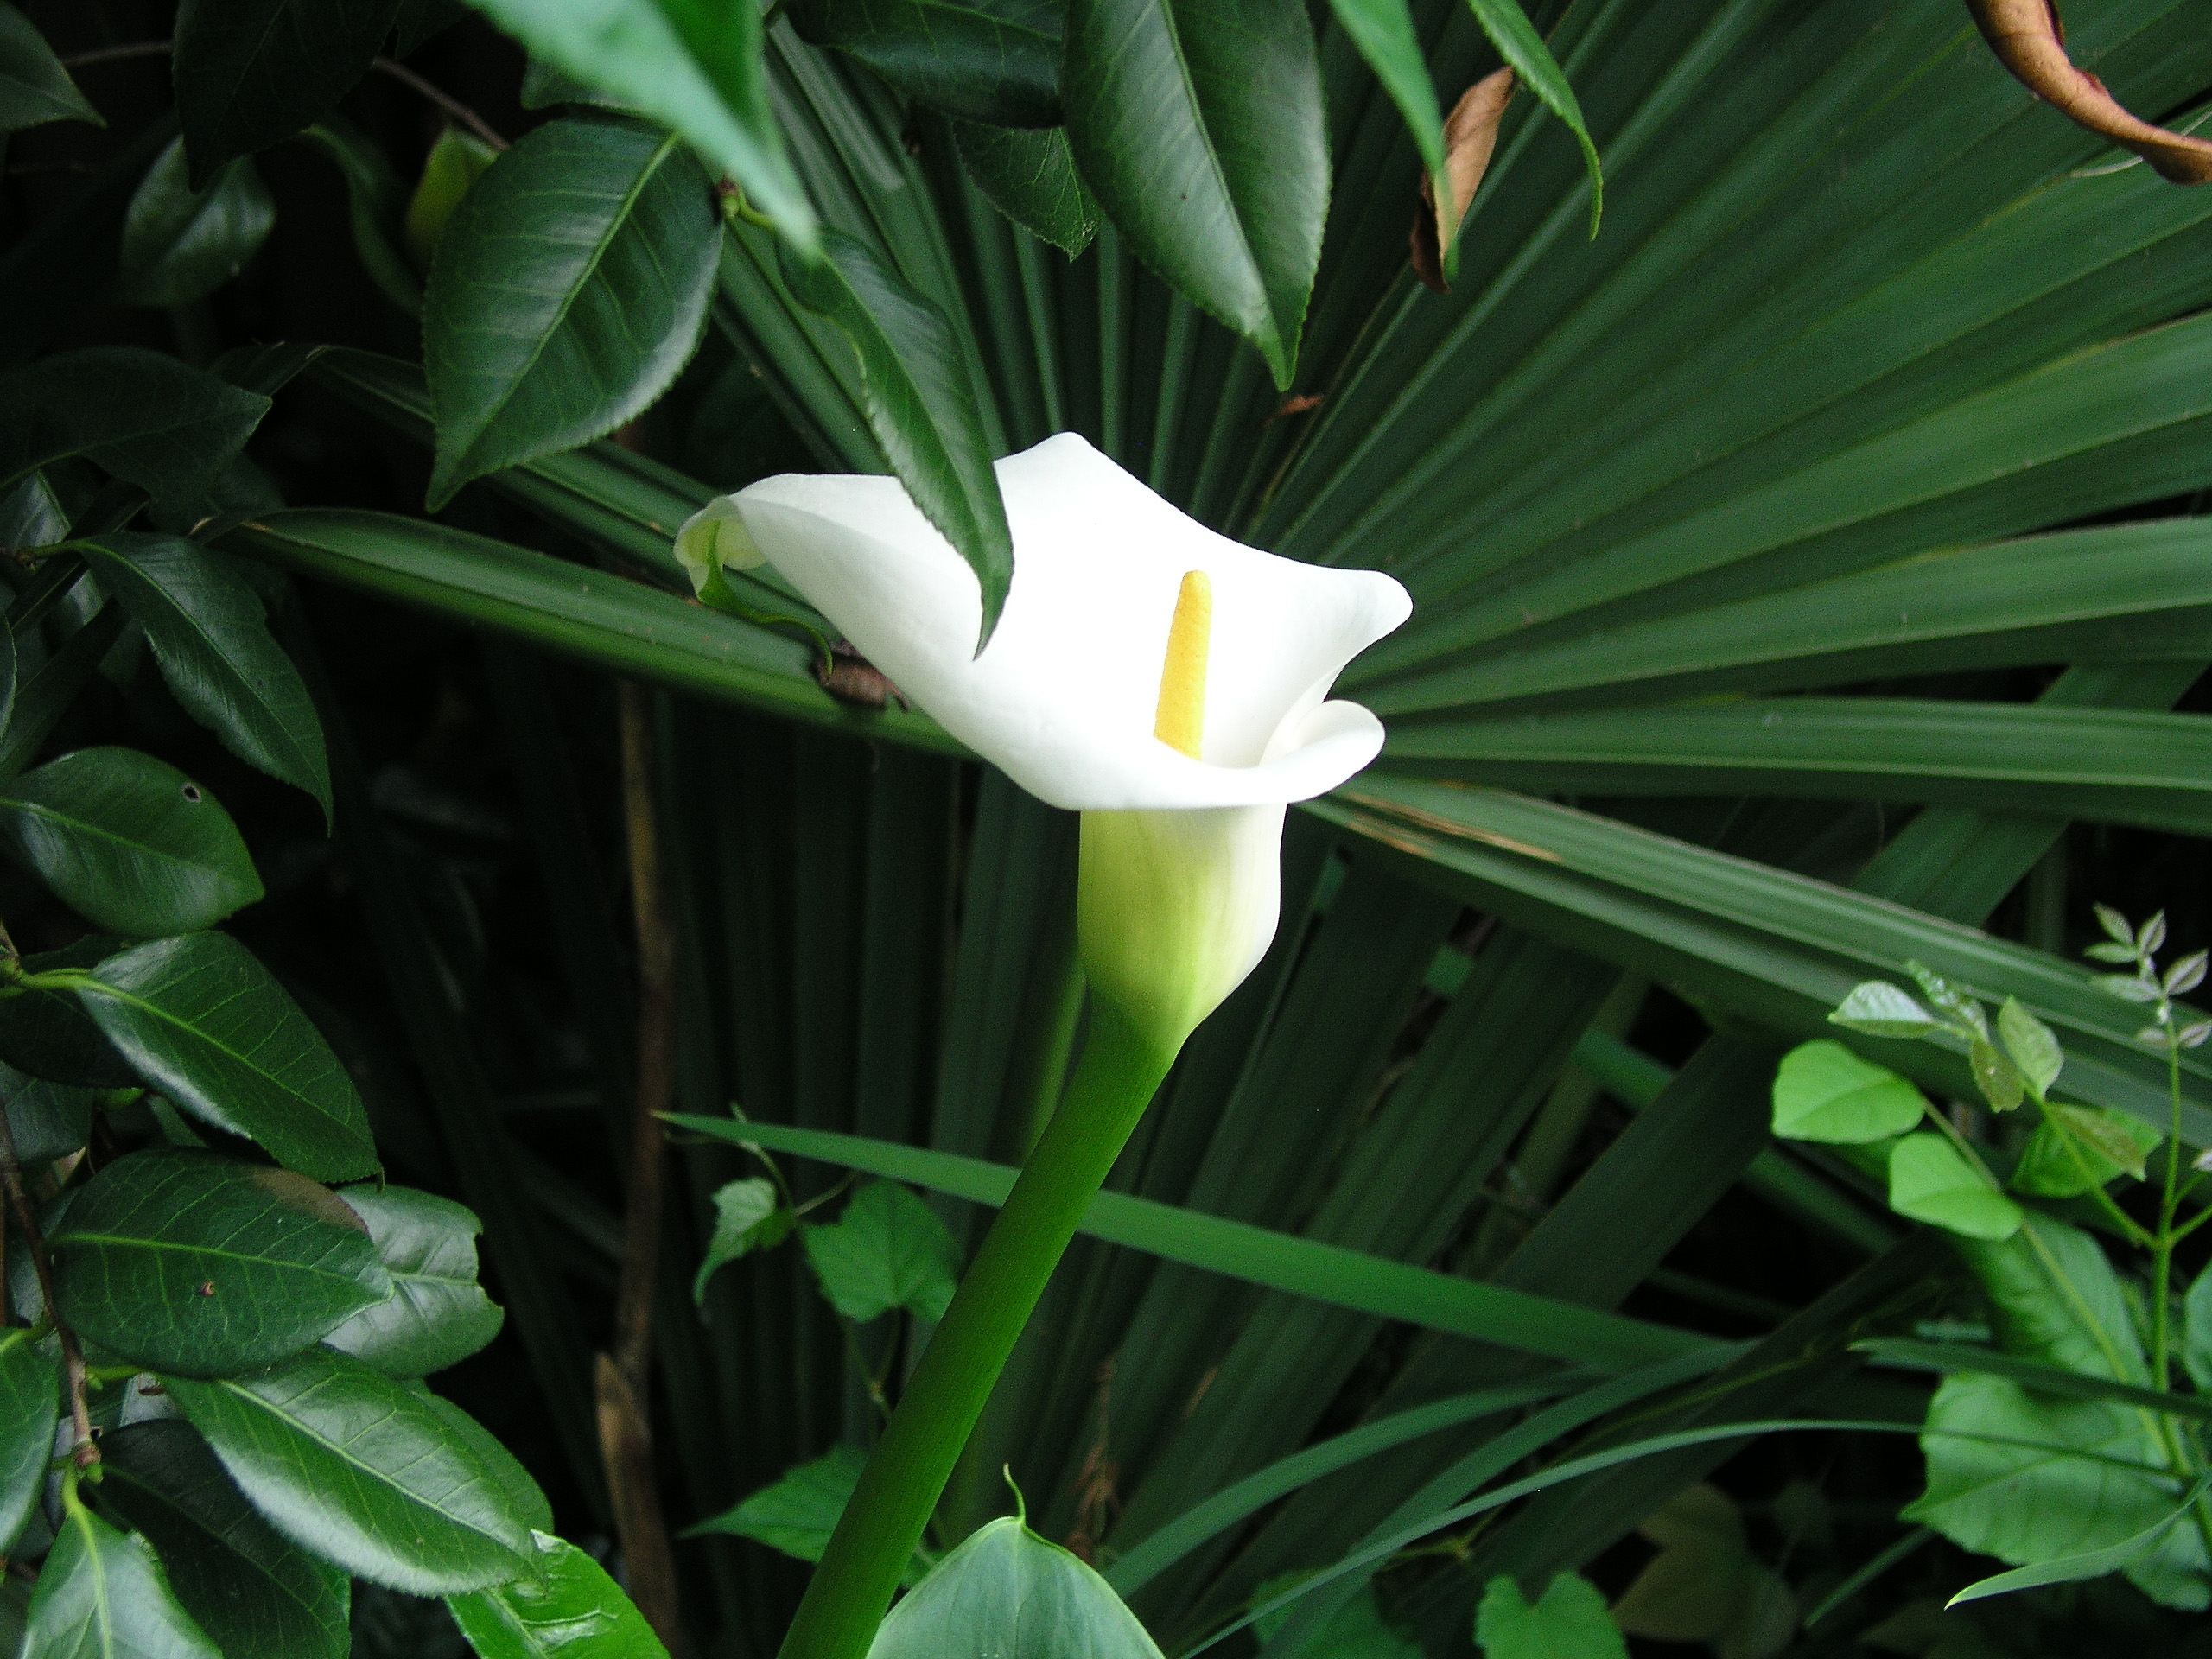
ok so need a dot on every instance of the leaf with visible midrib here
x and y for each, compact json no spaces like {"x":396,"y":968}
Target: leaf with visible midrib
{"x":147,"y":418}
{"x":347,"y":1462}
{"x":101,"y":1595}
{"x":206,"y":1024}
{"x":129,"y":842}
{"x":1197,"y":124}
{"x":994,"y":63}
{"x":571,"y":1610}
{"x":29,"y":1406}
{"x":257,"y":1594}
{"x":210,"y":634}
{"x":249,"y":72}
{"x":437,"y":1314}
{"x":181,"y":1260}
{"x":569,"y":288}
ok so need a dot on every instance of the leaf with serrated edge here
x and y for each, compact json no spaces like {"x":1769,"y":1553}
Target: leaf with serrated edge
{"x":102,"y":1594}
{"x":888,"y":1251}
{"x":1570,"y":1621}
{"x":749,"y":1216}
{"x":209,"y":1027}
{"x":147,"y":418}
{"x":569,"y":1610}
{"x":349,"y":1462}
{"x":182,"y":1261}
{"x":438,"y":1313}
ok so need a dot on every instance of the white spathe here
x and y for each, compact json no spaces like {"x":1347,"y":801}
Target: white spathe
{"x":1181,"y":872}
{"x":1063,"y":697}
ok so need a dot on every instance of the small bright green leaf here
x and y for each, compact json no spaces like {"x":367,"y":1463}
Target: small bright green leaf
{"x":1199,"y":126}
{"x":996,"y":62}
{"x":250,"y":73}
{"x":129,"y":842}
{"x":570,"y":1610}
{"x":210,"y":634}
{"x":30,"y":1404}
{"x":1880,"y":1009}
{"x":34,"y":88}
{"x":101,"y":1594}
{"x":345,"y":1461}
{"x":570,"y":288}
{"x":182,"y":1261}
{"x":1930,"y":1182}
{"x":257,"y":1595}
{"x":693,"y":65}
{"x":1822,"y":1091}
{"x":456,"y":160}
{"x":147,"y":418}
{"x":921,"y":404}
{"x":1998,"y":1079}
{"x":2034,"y":1477}
{"x":437,"y":1314}
{"x":181,"y":244}
{"x":2111,"y":1144}
{"x":747,"y":1216}
{"x":1005,"y":1594}
{"x":48,"y":1034}
{"x":888,"y":1251}
{"x":797,"y":1513}
{"x":2031,"y":1045}
{"x":1029,"y":175}
{"x":1354,"y":1630}
{"x":1570,"y":1622}
{"x":375,"y":203}
{"x":1519,"y":44}
{"x":210,"y":1028}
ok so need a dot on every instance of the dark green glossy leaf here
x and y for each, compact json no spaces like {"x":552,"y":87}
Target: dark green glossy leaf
{"x":570,"y":288}
{"x":208,"y":628}
{"x":1384,"y":32}
{"x":998,"y":61}
{"x":524,"y":1497}
{"x":208,"y":1026}
{"x":30,"y":1405}
{"x":250,"y":73}
{"x":48,"y":1120}
{"x":375,"y":202}
{"x":437,"y":1314}
{"x":48,"y":1034}
{"x":693,"y":65}
{"x":1199,"y":126}
{"x":1005,"y":1594}
{"x":888,"y":1251}
{"x":34,"y":86}
{"x":145,"y":417}
{"x":102,"y":1595}
{"x":256,"y":1594}
{"x":921,"y":404}
{"x":570,"y":1610}
{"x":749,"y":1216}
{"x":345,"y":1461}
{"x":128,"y":842}
{"x":1029,"y":176}
{"x":181,"y":1260}
{"x":181,"y":244}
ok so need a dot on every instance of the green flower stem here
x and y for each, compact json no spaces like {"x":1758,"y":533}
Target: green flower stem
{"x":845,"y":1601}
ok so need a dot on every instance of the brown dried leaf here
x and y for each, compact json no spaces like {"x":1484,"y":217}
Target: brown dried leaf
{"x":1469,"y":136}
{"x":2030,"y":41}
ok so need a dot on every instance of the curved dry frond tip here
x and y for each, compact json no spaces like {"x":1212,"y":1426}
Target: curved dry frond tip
{"x":2029,"y":40}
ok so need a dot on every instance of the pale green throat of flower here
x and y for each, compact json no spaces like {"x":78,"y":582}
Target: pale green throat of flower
{"x":1180,"y":722}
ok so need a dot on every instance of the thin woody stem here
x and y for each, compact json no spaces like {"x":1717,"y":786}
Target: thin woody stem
{"x":445,"y":100}
{"x":86,"y":1451}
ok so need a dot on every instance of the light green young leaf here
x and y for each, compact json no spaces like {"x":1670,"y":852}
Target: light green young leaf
{"x":571,"y":1610}
{"x":2078,"y":1318}
{"x":889,"y":1251}
{"x":1824,"y":1092}
{"x":1007,"y":1594}
{"x":181,"y":244}
{"x":797,"y":1513}
{"x":1881,"y":1009}
{"x":2111,"y":1144}
{"x":2031,"y":1046}
{"x":1998,"y":1079}
{"x":1939,"y":991}
{"x":456,"y":160}
{"x":2117,"y":927}
{"x":747,"y":1216}
{"x":1570,"y":1622}
{"x":1930,"y":1182}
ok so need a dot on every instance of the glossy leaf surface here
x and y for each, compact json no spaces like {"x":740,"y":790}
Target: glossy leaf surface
{"x":102,"y":1594}
{"x":34,"y":87}
{"x":1930,"y":1181}
{"x":1029,"y":176}
{"x":570,"y":1610}
{"x":992,"y":62}
{"x":209,"y":1027}
{"x":181,"y":244}
{"x":183,"y":1261}
{"x":30,"y":1398}
{"x":570,"y":288}
{"x":345,"y":1461}
{"x":1007,"y":1594}
{"x":130,"y":842}
{"x":250,"y":73}
{"x":48,"y":1033}
{"x":438,"y":1313}
{"x":145,"y":417}
{"x":1824,"y":1092}
{"x":257,"y":1595}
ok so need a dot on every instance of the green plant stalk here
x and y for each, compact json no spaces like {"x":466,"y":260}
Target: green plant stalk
{"x":1114,"y":1082}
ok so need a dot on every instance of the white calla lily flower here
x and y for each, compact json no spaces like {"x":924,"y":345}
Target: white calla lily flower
{"x":1182,"y":829}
